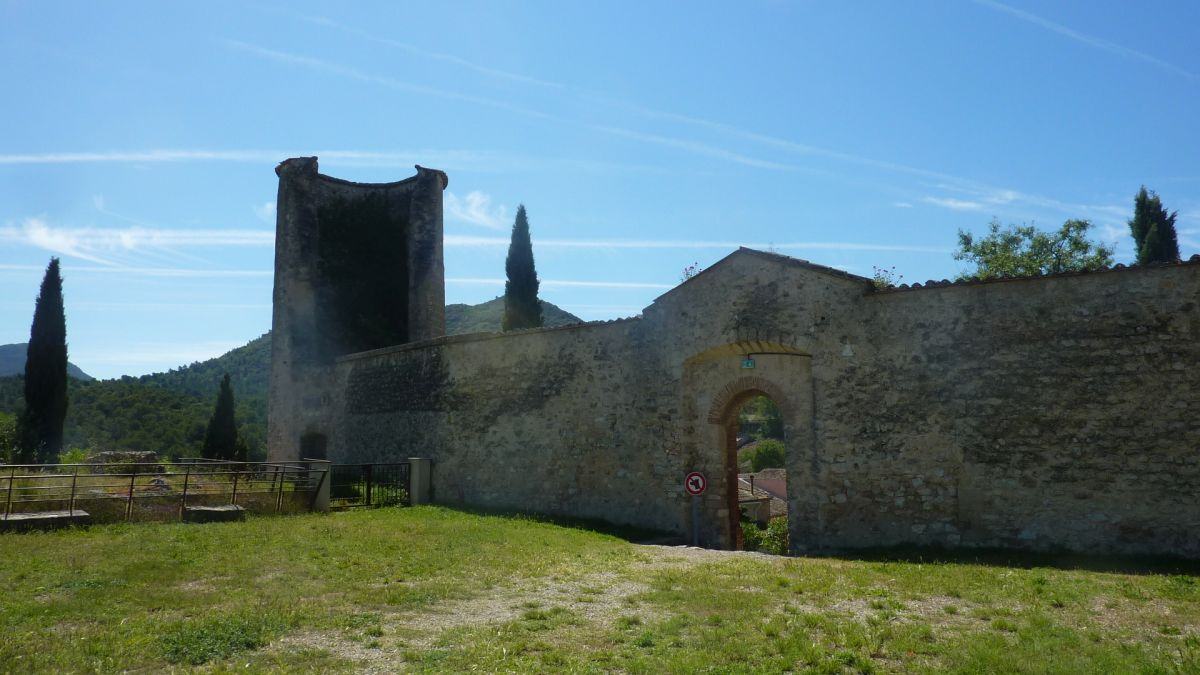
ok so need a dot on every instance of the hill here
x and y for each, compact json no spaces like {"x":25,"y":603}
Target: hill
{"x":486,"y":317}
{"x":12,"y":362}
{"x":167,"y":412}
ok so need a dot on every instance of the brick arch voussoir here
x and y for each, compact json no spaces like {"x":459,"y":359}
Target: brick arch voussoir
{"x":720,"y":412}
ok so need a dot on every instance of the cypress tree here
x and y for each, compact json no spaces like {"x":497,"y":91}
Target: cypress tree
{"x":521,"y":306}
{"x":1153,"y":229}
{"x":221,"y":438}
{"x":41,"y":423}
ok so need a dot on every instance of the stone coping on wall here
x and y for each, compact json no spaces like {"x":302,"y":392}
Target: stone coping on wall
{"x":480,"y":337}
{"x":1119,"y":267}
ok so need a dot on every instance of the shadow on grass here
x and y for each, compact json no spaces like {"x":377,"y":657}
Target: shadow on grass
{"x":631,"y":533}
{"x":995,"y":557}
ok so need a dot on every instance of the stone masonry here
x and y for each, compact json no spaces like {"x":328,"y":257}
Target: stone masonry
{"x":1058,"y":412}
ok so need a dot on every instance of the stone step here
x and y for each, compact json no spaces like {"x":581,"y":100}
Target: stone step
{"x":213,"y":514}
{"x":44,"y":520}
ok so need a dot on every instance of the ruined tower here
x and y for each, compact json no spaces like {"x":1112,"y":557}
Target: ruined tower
{"x":358,"y":266}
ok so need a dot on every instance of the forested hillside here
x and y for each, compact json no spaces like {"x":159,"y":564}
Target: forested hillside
{"x":12,"y":362}
{"x":167,"y":412}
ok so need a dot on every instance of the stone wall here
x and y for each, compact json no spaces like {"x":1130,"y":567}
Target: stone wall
{"x":1050,"y":413}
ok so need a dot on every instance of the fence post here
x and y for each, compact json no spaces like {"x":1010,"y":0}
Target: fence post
{"x":370,"y":476}
{"x":279,"y":496}
{"x":187,"y":475}
{"x":233,"y":497}
{"x":418,"y":480}
{"x":129,"y":504}
{"x":74,"y":480}
{"x":8,"y":505}
{"x":320,"y":496}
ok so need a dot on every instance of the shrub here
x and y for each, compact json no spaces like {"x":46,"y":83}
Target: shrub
{"x":775,"y":537}
{"x":752,"y":536}
{"x":75,"y":455}
{"x":8,"y":437}
{"x":768,"y":454}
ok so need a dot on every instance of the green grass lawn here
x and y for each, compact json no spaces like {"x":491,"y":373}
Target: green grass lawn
{"x":434,"y":589}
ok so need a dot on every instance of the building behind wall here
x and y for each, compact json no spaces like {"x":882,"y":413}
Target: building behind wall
{"x":1039,"y":413}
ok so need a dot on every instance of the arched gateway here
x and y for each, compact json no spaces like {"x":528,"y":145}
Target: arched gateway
{"x":1001,"y":413}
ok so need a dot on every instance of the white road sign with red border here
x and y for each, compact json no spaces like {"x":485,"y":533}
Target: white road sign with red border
{"x":695,"y":483}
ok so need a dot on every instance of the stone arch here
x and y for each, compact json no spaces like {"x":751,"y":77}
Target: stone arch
{"x":730,"y":398}
{"x":723,"y":413}
{"x":721,"y":385}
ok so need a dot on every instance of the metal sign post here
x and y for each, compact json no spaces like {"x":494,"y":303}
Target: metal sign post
{"x":695,"y":483}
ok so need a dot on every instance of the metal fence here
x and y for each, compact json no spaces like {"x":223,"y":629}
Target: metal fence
{"x":156,"y":491}
{"x":370,"y":485}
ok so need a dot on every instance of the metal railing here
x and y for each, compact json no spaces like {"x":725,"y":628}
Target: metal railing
{"x":370,"y":485}
{"x":158,"y":491}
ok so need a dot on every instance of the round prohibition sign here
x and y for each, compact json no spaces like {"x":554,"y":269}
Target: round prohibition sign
{"x":695,"y":483}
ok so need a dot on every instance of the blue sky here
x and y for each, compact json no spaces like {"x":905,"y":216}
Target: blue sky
{"x":138,"y":141}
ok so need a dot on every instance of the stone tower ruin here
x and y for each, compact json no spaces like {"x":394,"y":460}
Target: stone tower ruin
{"x":358,"y":266}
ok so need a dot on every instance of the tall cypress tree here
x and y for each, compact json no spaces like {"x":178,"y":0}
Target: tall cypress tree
{"x":1153,"y":229}
{"x":521,"y":306}
{"x":221,"y":438}
{"x":41,"y":424}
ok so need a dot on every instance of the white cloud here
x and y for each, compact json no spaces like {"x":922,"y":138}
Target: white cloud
{"x":476,"y":209}
{"x":94,"y":244}
{"x":952,"y":203}
{"x":902,"y":205}
{"x":265,"y":212}
{"x":38,"y":233}
{"x":1090,"y":40}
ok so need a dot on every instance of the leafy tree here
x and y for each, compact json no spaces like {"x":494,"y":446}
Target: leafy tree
{"x":41,"y":423}
{"x":768,"y":454}
{"x":221,"y":438}
{"x":760,"y":418}
{"x":521,"y":307}
{"x":8,"y":437}
{"x":1022,"y":251}
{"x":1153,"y":229}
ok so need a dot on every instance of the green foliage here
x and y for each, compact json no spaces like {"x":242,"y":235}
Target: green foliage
{"x":760,"y":418}
{"x":1153,"y":229}
{"x":220,"y":438}
{"x":767,"y":454}
{"x":73,"y":456}
{"x":41,"y":423}
{"x":776,"y":538}
{"x":8,"y":437}
{"x":1021,"y":251}
{"x":521,"y":307}
{"x":198,"y":641}
{"x":772,"y":539}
